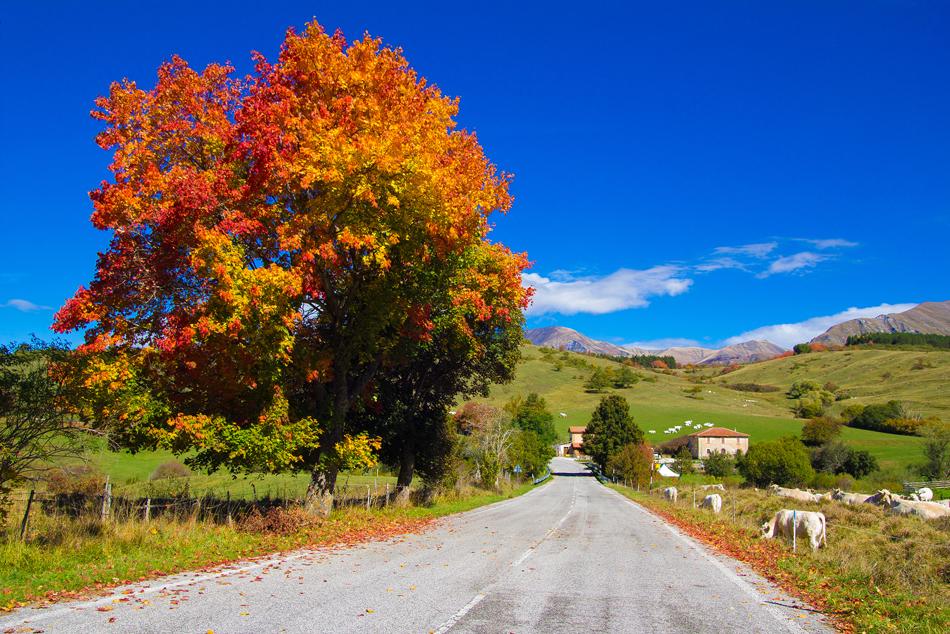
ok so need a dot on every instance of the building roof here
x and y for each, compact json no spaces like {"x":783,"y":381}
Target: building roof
{"x":719,"y":432}
{"x":576,"y":430}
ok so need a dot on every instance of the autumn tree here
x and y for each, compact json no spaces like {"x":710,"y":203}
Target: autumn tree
{"x":275,"y":240}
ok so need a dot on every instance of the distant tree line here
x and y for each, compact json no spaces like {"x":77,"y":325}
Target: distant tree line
{"x":900,"y":339}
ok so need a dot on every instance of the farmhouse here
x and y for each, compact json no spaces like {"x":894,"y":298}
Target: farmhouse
{"x":717,"y":440}
{"x":577,"y":440}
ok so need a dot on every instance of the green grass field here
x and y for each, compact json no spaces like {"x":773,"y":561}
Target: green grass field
{"x":663,"y":403}
{"x":919,"y":379}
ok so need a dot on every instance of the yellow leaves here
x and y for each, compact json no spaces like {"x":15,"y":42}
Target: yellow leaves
{"x":358,"y":452}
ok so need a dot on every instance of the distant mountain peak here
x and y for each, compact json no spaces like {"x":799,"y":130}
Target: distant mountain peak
{"x":931,"y":318}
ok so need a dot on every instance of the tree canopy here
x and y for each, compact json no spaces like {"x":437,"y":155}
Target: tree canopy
{"x":610,"y":428}
{"x":276,"y":240}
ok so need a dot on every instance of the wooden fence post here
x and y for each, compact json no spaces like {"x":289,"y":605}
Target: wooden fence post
{"x":107,"y":500}
{"x":367,"y":497}
{"x":148,"y":509}
{"x":387,"y":494}
{"x":228,"y":509}
{"x":26,"y":515}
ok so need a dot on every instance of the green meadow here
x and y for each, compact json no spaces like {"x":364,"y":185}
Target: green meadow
{"x":663,"y":401}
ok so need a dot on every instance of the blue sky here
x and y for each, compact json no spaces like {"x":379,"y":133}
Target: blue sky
{"x":683,"y":170}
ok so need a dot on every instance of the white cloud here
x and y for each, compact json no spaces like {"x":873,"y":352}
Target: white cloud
{"x":756,"y":250}
{"x":787,"y":335}
{"x":622,"y":289}
{"x":720,"y":263}
{"x":796,"y":262}
{"x":24,"y":306}
{"x":830,"y":243}
{"x":662,"y":344}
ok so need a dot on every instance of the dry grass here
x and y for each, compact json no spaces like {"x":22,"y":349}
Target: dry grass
{"x":878,"y":573}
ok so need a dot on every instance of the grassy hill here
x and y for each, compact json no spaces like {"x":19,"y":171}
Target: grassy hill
{"x":920,"y":379}
{"x":659,"y":404}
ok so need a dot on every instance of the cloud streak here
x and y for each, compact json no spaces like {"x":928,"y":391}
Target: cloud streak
{"x":24,"y":306}
{"x":755,"y":250}
{"x":787,"y":335}
{"x":792,"y":263}
{"x":622,"y":289}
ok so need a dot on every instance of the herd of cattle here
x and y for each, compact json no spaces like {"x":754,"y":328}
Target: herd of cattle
{"x":811,"y":525}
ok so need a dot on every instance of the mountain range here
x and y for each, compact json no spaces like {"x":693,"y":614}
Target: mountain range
{"x":928,"y":317}
{"x":562,"y":338}
{"x":932,"y":318}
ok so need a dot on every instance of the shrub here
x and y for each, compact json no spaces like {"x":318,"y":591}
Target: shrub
{"x":838,"y":458}
{"x":684,"y":462}
{"x":890,"y":417}
{"x":820,"y":431}
{"x":719,"y":465}
{"x":753,"y":387}
{"x":278,"y":521}
{"x":784,"y":462}
{"x":598,"y":381}
{"x":801,"y":348}
{"x":936,"y":450}
{"x":809,"y":407}
{"x":170,"y":469}
{"x":83,"y":479}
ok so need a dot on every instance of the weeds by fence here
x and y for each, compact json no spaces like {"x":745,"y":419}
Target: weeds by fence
{"x":216,"y":508}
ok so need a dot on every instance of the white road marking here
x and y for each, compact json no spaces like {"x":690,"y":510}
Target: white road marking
{"x":455,"y":618}
{"x":560,"y":523}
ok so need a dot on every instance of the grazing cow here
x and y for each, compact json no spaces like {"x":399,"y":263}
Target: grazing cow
{"x":810,"y":524}
{"x":925,"y":510}
{"x":849,"y":498}
{"x":712,"y":501}
{"x":670,"y":494}
{"x":925,"y":494}
{"x":882,"y":498}
{"x":718,"y":487}
{"x":795,"y":494}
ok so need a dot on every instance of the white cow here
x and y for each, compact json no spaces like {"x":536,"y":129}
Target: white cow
{"x":670,"y":494}
{"x":925,"y":510}
{"x":795,"y":494}
{"x":652,"y":431}
{"x":810,"y":524}
{"x":925,"y":494}
{"x":712,"y":501}
{"x":719,"y":487}
{"x":849,"y":498}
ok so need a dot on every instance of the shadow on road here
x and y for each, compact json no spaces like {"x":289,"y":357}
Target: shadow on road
{"x":573,"y":474}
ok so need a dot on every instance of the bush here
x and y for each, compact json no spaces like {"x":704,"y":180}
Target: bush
{"x":809,"y":407}
{"x":890,"y":417}
{"x":838,"y":458}
{"x":785,"y":462}
{"x":684,"y":462}
{"x":83,"y":479}
{"x":820,"y":431}
{"x":753,"y":387}
{"x":936,"y":450}
{"x":170,"y":469}
{"x":719,"y":465}
{"x":278,"y":521}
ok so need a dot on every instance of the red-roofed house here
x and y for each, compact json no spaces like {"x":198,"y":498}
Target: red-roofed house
{"x":717,"y":440}
{"x":577,"y":440}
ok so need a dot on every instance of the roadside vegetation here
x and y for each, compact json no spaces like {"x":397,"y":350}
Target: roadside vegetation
{"x":63,"y":558}
{"x":878,"y":573}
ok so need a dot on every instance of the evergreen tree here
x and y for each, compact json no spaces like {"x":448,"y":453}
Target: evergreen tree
{"x":610,"y":428}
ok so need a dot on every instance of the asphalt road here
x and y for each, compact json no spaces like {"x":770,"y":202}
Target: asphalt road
{"x":571,"y":555}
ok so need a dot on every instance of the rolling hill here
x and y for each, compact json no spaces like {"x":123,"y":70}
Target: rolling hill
{"x":920,"y":379}
{"x":661,"y":402}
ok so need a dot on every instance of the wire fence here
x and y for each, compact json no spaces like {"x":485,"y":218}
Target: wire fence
{"x":217,"y":508}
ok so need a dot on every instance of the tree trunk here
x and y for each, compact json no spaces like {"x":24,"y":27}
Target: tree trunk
{"x":407,"y":465}
{"x":320,"y":491}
